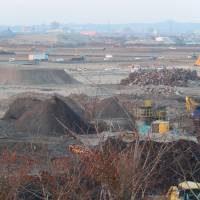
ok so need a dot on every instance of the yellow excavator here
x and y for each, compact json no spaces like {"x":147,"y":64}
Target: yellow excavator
{"x":187,"y":190}
{"x":190,"y":104}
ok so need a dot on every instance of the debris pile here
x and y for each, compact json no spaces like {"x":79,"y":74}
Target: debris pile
{"x":54,"y":116}
{"x":160,"y":90}
{"x":170,"y":77}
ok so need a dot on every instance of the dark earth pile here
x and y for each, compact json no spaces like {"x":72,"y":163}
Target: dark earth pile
{"x":35,"y":77}
{"x":73,"y":105}
{"x":116,"y":115}
{"x":19,"y":107}
{"x":111,"y":108}
{"x":170,"y":77}
{"x":55,"y":116}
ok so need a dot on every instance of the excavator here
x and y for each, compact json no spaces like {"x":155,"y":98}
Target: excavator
{"x":190,"y":104}
{"x":193,"y":109}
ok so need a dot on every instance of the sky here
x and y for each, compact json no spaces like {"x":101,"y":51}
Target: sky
{"x":30,"y":12}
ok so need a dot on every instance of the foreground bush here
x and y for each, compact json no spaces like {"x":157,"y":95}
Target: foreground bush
{"x":112,"y":171}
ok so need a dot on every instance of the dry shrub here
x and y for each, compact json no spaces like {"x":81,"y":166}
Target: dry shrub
{"x":123,"y":173}
{"x":112,"y":171}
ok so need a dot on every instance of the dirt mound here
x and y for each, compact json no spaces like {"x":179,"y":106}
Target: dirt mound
{"x":73,"y":105}
{"x":19,"y":107}
{"x":47,"y":117}
{"x":111,"y":108}
{"x":114,"y":114}
{"x":35,"y":77}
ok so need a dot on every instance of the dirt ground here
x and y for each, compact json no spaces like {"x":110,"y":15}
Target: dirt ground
{"x":94,"y":77}
{"x":99,"y":77}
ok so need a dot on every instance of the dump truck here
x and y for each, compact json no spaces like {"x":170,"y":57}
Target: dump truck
{"x":187,"y":190}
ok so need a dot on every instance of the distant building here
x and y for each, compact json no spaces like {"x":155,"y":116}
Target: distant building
{"x":89,"y":33}
{"x":159,"y":39}
{"x":40,"y":57}
{"x":55,"y":25}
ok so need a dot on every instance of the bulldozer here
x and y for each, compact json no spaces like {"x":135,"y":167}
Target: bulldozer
{"x":187,"y":190}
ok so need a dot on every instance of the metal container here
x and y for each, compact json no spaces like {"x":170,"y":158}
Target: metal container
{"x":161,"y":127}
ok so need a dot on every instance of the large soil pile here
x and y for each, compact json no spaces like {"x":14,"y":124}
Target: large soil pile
{"x":19,"y":107}
{"x":35,"y":77}
{"x":55,"y":116}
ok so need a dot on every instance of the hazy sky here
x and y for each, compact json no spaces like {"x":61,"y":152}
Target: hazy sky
{"x":25,"y":12}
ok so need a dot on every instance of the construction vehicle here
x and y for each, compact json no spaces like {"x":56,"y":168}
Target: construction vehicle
{"x":194,"y":110}
{"x":190,"y":104}
{"x":197,"y":63}
{"x":150,"y":112}
{"x":187,"y":190}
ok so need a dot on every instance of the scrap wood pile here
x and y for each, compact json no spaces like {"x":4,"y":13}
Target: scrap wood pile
{"x":170,"y":77}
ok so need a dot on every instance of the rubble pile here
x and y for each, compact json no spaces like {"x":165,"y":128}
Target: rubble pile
{"x":169,"y":77}
{"x":160,"y":90}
